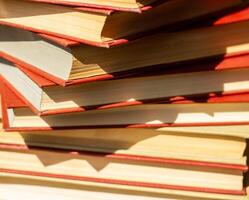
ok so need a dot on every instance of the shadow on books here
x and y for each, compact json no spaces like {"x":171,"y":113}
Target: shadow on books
{"x":91,"y":150}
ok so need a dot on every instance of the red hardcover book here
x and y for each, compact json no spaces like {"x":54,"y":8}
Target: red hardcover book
{"x":231,"y":17}
{"x":145,"y":160}
{"x":103,"y":27}
{"x":80,"y":37}
{"x":230,"y":109}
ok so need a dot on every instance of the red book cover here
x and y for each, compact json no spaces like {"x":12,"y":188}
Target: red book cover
{"x":128,"y":158}
{"x":61,"y":41}
{"x":240,"y":15}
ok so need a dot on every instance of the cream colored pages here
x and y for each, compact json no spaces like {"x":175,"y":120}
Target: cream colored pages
{"x":22,"y":182}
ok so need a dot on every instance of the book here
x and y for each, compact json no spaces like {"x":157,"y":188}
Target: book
{"x":84,"y":63}
{"x":20,"y":186}
{"x":46,"y":98}
{"x":100,"y":27}
{"x":94,"y":167}
{"x":18,"y":116}
{"x":127,"y":6}
{"x":151,"y":144}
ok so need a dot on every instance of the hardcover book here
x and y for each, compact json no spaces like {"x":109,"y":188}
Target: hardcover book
{"x":18,"y":116}
{"x":102,"y":27}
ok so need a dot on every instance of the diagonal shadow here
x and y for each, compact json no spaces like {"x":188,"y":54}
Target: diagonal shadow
{"x":101,"y":161}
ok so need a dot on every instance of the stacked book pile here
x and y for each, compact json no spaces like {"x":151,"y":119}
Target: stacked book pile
{"x":124,"y":99}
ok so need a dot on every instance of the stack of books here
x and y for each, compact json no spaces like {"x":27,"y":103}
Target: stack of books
{"x":124,"y":99}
